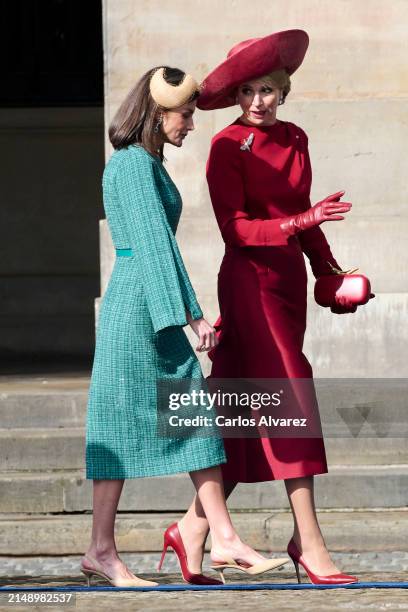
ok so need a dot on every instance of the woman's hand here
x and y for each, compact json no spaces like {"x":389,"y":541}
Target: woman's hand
{"x":207,"y":338}
{"x":329,"y":209}
{"x":343,"y":305}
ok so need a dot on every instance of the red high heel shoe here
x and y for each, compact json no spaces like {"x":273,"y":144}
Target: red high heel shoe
{"x":296,"y":557}
{"x":172,"y":539}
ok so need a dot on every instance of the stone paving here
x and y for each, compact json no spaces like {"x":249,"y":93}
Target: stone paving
{"x":281,"y":601}
{"x":63,"y":571}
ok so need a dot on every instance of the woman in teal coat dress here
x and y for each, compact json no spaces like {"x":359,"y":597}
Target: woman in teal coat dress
{"x":140,"y":337}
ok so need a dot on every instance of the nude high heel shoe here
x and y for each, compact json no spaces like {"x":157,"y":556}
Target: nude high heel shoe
{"x":251,"y":570}
{"x":97,"y":570}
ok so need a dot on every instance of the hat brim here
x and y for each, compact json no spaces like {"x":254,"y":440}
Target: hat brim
{"x":264,"y":55}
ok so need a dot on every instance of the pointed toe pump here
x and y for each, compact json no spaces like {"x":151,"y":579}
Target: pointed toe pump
{"x":97,"y":570}
{"x":297,"y":559}
{"x":172,"y":539}
{"x":251,"y":570}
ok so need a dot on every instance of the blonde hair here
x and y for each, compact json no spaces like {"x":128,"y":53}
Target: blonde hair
{"x":280,"y":79}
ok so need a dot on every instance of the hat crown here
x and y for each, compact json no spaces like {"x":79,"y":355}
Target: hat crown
{"x":241,"y":45}
{"x":250,"y":59}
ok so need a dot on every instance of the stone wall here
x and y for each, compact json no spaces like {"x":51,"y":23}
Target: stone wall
{"x":350,"y":96}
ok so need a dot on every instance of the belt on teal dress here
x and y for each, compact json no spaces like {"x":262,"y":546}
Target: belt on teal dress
{"x":124,"y":252}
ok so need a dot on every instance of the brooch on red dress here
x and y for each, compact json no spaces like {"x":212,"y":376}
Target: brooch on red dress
{"x":247,"y":142}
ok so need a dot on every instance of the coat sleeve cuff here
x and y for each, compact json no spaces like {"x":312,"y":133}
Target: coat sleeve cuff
{"x":160,"y":323}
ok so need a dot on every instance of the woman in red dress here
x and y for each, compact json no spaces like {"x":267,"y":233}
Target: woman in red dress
{"x":259,"y":178}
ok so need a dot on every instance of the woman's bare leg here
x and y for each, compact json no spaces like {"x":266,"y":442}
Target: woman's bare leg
{"x":306,"y":533}
{"x":194,"y":529}
{"x":209,"y":511}
{"x":106,"y":495}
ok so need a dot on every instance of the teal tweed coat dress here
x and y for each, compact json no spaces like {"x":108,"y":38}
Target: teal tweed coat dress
{"x":140,"y":336}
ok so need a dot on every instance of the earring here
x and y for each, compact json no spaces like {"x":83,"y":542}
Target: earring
{"x":158,"y":124}
{"x":281,"y":100}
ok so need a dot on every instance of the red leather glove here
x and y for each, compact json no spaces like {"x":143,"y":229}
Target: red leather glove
{"x":343,"y":305}
{"x":326,"y":210}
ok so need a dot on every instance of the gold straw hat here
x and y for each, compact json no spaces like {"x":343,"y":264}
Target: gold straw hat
{"x":169,"y":96}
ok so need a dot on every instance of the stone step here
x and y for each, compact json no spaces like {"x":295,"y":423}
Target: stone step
{"x":42,"y":449}
{"x":371,"y":486}
{"x":359,"y":531}
{"x":37,"y":449}
{"x":348,"y":407}
{"x":43,"y":401}
{"x":43,"y":410}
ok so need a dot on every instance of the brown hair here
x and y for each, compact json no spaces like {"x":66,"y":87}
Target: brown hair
{"x":136,"y":117}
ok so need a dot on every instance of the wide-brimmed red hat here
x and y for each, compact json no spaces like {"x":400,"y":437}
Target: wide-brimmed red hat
{"x":249,"y":60}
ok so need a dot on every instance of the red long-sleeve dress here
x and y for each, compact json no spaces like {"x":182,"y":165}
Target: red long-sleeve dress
{"x":262,"y":281}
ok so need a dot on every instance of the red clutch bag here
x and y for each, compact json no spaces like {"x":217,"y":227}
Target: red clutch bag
{"x":355,"y":288}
